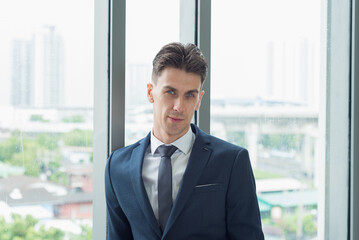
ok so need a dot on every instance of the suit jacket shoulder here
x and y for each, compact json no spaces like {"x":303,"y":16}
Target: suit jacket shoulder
{"x":124,"y":153}
{"x":218,"y":145}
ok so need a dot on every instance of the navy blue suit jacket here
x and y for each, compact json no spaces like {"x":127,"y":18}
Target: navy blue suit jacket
{"x":217,"y":198}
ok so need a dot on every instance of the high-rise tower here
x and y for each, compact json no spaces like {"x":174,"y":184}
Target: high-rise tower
{"x":23,"y":82}
{"x":53,"y":68}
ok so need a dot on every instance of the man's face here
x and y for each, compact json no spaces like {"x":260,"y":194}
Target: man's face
{"x":175,"y":97}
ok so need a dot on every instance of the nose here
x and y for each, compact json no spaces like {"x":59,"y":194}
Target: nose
{"x":178,"y":105}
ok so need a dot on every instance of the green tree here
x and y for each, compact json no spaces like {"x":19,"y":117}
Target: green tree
{"x":74,"y":119}
{"x":289,"y":225}
{"x":4,"y":229}
{"x":238,"y":138}
{"x":309,"y":225}
{"x":282,"y":141}
{"x":86,"y":234}
{"x":38,"y":118}
{"x":59,"y":177}
{"x":34,"y":154}
{"x":260,"y":174}
{"x":50,"y":234}
{"x":47,"y":141}
{"x":27,"y":158}
{"x":9,"y":146}
{"x":77,"y":137}
{"x":24,"y":229}
{"x":41,"y":153}
{"x":21,"y":228}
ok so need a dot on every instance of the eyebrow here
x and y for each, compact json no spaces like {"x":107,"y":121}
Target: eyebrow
{"x":174,"y":89}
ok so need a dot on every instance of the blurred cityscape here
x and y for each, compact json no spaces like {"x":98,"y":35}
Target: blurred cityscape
{"x":46,"y":146}
{"x":46,"y":167}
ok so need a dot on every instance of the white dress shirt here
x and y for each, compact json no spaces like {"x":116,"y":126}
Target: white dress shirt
{"x":151,"y":163}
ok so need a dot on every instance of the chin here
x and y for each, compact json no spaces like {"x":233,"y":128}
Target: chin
{"x":176,"y":130}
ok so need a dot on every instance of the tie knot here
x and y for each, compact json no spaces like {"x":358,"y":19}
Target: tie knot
{"x":166,"y":151}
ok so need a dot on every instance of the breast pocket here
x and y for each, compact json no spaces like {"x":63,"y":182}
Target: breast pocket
{"x":211,"y":205}
{"x":208,"y":187}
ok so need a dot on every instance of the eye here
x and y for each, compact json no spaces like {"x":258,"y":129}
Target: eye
{"x":171,"y":92}
{"x":190,"y":95}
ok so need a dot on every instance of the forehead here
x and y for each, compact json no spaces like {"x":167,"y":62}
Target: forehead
{"x":179,"y":79}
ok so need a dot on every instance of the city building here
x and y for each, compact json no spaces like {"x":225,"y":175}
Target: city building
{"x":38,"y":70}
{"x":23,"y":73}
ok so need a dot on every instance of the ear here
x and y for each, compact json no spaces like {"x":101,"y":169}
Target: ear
{"x":199,"y":100}
{"x":149,"y":92}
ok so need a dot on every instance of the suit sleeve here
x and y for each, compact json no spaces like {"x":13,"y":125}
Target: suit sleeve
{"x":118,"y":227}
{"x":243,"y":216}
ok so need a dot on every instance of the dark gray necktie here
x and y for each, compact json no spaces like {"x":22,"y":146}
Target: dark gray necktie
{"x":165,"y":184}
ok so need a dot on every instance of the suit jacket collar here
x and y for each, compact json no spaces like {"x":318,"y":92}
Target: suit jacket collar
{"x":200,"y":154}
{"x":137,"y":156}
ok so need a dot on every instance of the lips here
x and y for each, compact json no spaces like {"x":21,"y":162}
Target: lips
{"x":175,"y":119}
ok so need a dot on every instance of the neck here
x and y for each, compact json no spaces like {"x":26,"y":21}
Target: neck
{"x":165,"y":137}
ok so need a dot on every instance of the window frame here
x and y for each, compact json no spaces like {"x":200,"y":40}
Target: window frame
{"x":337,"y":59}
{"x":354,"y":129}
{"x":101,"y":114}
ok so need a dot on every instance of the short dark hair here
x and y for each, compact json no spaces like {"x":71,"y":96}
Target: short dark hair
{"x":177,"y":55}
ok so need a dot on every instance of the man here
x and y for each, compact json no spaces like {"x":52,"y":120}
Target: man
{"x":179,"y":182}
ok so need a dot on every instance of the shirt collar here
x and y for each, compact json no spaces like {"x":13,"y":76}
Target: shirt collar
{"x":184,"y":143}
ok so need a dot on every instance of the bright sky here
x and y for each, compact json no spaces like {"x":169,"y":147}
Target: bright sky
{"x":239,"y":52}
{"x":74,"y":22}
{"x":240,"y":32}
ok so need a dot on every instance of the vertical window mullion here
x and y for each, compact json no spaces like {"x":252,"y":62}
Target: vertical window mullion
{"x":100,"y":141}
{"x":354,"y":181}
{"x":204,"y":43}
{"x":117,"y":74}
{"x":187,"y":21}
{"x":109,"y":123}
{"x":337,"y":120}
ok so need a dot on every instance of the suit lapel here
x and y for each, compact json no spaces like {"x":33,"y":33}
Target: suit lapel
{"x":196,"y":163}
{"x":137,"y":183}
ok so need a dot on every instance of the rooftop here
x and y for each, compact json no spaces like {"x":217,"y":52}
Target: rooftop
{"x":288,"y":199}
{"x":26,"y":190}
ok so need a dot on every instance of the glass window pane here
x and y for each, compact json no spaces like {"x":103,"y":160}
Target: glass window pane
{"x":265,"y":97}
{"x":144,"y":38}
{"x":46,"y":101}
